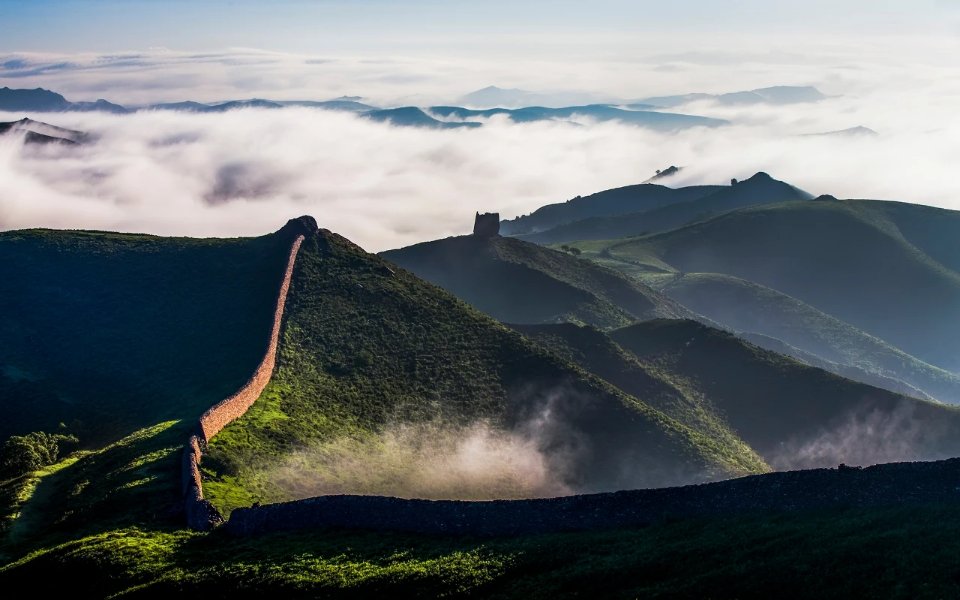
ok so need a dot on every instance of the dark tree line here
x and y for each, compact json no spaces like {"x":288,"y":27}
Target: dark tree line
{"x":22,"y":454}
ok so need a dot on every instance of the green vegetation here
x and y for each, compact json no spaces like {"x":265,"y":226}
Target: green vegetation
{"x":889,"y":553}
{"x":519,"y":282}
{"x":366,"y":346}
{"x":22,"y":454}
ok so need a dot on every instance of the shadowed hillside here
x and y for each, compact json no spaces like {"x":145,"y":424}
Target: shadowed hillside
{"x":520,"y":282}
{"x":751,"y":308}
{"x":109,"y":332}
{"x":792,"y":414}
{"x":844,"y":259}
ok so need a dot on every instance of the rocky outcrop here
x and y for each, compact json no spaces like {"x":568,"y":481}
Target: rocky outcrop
{"x":200,"y":514}
{"x":900,"y":484}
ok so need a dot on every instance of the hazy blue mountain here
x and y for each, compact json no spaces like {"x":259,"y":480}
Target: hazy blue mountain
{"x":38,"y":100}
{"x":493,"y":96}
{"x":757,"y":190}
{"x":345,"y":104}
{"x":781,"y":94}
{"x":411,"y":116}
{"x":41,"y":100}
{"x":600,"y":112}
{"x":190,"y":106}
{"x":858,"y":131}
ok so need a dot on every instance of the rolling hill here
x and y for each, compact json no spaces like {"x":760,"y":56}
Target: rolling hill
{"x":609,"y":203}
{"x":751,"y":308}
{"x":519,"y":282}
{"x":793,"y":415}
{"x":847,"y":259}
{"x":757,"y":190}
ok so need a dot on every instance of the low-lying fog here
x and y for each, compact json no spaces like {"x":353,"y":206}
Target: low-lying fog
{"x":246,"y":172}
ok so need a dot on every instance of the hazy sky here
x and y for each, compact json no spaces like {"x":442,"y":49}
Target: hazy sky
{"x":376,"y":26}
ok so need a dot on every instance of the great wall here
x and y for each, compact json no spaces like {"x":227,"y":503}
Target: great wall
{"x":200,"y":513}
{"x":885,"y":485}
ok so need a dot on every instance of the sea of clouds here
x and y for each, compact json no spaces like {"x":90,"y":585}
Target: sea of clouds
{"x":246,"y":172}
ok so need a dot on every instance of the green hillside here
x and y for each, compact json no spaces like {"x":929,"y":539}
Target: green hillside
{"x":842,"y":258}
{"x":757,"y":190}
{"x":369,"y":349}
{"x":934,"y":231}
{"x":792,"y":414}
{"x":123,"y":341}
{"x":752,"y":308}
{"x":618,"y":201}
{"x":520,"y":282}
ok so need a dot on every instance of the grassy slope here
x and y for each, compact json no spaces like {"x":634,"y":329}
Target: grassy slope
{"x":841,"y":258}
{"x":786,"y":410}
{"x":520,"y":282}
{"x":619,"y":201}
{"x":935,"y":231}
{"x":749,"y":307}
{"x":126,"y":339}
{"x":891,"y":553}
{"x":759,"y":189}
{"x":597,"y":353}
{"x":364,"y":347}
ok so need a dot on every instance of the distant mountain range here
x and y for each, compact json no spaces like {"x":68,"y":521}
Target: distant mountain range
{"x":518,"y":105}
{"x":781,"y":94}
{"x":496,"y":97}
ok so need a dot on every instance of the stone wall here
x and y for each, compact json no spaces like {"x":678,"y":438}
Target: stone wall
{"x":883,"y":485}
{"x":200,"y":514}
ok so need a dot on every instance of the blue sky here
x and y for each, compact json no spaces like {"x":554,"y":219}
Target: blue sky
{"x":432,"y":26}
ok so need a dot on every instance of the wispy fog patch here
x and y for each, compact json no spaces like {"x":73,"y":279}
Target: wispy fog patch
{"x":866,"y":438}
{"x":246,"y":172}
{"x":431,"y":460}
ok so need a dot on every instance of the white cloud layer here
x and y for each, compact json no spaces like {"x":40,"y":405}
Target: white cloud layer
{"x":246,"y":172}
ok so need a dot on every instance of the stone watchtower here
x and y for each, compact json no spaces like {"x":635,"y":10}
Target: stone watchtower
{"x":486,"y":225}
